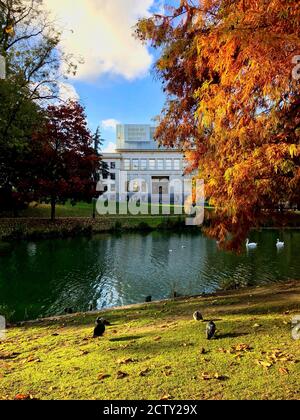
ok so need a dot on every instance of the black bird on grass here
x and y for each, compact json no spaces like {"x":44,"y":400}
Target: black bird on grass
{"x":198,"y":316}
{"x":148,"y":299}
{"x":100,"y":328}
{"x":211,"y":330}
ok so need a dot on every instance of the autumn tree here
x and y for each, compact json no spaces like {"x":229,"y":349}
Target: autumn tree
{"x":233,"y":102}
{"x":35,"y":69}
{"x":62,"y":162}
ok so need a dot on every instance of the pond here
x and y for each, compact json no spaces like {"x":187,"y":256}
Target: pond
{"x":45,"y":277}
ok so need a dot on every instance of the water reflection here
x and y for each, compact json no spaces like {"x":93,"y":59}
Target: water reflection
{"x":43,"y":278}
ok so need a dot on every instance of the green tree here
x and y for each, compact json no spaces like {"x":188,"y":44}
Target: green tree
{"x":98,"y":143}
{"x":29,"y":42}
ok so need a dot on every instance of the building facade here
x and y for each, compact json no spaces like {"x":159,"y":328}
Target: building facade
{"x":139,"y":165}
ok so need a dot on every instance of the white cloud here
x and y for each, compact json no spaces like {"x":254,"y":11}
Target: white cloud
{"x":67,"y":92}
{"x":109,"y":148}
{"x":103,"y":36}
{"x":110,"y":124}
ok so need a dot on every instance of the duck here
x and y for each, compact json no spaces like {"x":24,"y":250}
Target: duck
{"x":198,"y":316}
{"x":100,"y":328}
{"x":251,"y":245}
{"x":280,"y":244}
{"x":211,"y":330}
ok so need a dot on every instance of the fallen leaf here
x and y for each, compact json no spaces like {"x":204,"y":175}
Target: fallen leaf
{"x":284,"y":371}
{"x":144,"y":372}
{"x":23,"y":397}
{"x":220,"y":377}
{"x":241,"y":347}
{"x":124,"y":361}
{"x":167,"y":371}
{"x":6,"y":356}
{"x":264,"y":363}
{"x":121,"y":375}
{"x":103,"y":376}
{"x":166,"y":397}
{"x":206,"y":376}
{"x":32,"y":359}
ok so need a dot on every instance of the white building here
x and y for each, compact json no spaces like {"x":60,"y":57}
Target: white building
{"x":140,"y":165}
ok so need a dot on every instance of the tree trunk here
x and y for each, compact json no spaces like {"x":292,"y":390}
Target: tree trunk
{"x":53,"y":205}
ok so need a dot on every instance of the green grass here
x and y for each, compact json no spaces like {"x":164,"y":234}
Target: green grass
{"x":158,"y":348}
{"x":83,"y":209}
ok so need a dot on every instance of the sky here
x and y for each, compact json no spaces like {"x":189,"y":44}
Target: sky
{"x":115,"y":83}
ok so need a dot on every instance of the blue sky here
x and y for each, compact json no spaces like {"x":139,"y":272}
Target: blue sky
{"x":115,"y":82}
{"x":115,"y":98}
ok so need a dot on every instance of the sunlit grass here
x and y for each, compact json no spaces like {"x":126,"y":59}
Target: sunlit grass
{"x":159,"y":349}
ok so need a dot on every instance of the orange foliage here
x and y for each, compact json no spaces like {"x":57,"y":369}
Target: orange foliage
{"x":226,"y":66}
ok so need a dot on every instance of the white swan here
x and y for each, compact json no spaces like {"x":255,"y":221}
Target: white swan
{"x":280,"y":244}
{"x":250,"y":245}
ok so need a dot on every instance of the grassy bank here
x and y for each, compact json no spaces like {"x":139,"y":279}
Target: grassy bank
{"x":71,"y":221}
{"x":157,"y":351}
{"x":32,"y":229}
{"x":85,"y":210}
{"x":33,"y":223}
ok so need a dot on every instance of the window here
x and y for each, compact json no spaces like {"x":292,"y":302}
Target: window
{"x":168,"y":165}
{"x":152,"y":164}
{"x":143,"y":165}
{"x":113,"y":177}
{"x":160,"y":165}
{"x":135,"y":164}
{"x":112,"y":165}
{"x":177,"y":165}
{"x":127,"y":164}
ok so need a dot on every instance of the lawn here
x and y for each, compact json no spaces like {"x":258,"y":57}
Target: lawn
{"x":157,"y":351}
{"x":83,"y":209}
